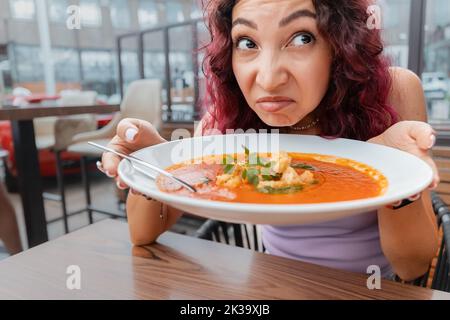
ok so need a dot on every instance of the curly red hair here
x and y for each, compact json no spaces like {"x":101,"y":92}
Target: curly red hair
{"x":355,"y":104}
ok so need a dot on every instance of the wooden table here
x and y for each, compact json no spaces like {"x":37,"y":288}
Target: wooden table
{"x":177,"y":267}
{"x":30,"y":184}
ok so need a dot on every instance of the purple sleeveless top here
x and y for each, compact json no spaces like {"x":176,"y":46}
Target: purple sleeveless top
{"x":350,"y":244}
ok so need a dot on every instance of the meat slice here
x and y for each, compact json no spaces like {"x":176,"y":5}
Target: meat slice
{"x":194,"y":174}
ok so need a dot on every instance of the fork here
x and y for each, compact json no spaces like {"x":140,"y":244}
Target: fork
{"x":137,"y":160}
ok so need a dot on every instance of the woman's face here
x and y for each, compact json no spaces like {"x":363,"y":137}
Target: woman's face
{"x":280,"y":60}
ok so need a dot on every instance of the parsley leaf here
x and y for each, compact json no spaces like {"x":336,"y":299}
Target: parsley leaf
{"x":283,"y":190}
{"x":302,"y":166}
{"x":227,"y":159}
{"x":229,"y":168}
{"x":253,"y":176}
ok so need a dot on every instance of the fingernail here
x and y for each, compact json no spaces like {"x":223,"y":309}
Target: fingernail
{"x":121,"y":186}
{"x":433,"y":141}
{"x":397,"y":203}
{"x":100,"y":166}
{"x":434,"y":185}
{"x":414,"y":197}
{"x":109,"y":174}
{"x":130,"y":134}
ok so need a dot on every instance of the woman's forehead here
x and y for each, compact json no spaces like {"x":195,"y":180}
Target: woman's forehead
{"x":270,"y":7}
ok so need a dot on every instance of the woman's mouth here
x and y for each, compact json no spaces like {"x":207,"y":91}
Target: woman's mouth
{"x":273,"y":104}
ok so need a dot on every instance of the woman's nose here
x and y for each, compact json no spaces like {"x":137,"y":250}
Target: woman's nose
{"x":272,"y":73}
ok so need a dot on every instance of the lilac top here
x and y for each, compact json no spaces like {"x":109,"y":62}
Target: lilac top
{"x":351,"y":244}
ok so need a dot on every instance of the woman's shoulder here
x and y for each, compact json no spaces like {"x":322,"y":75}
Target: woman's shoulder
{"x":403,"y":76}
{"x":406,"y":94}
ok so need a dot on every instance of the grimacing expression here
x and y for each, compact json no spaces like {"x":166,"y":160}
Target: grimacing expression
{"x":281,"y":62}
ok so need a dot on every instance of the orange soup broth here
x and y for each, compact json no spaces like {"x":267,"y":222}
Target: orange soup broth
{"x":337,"y":179}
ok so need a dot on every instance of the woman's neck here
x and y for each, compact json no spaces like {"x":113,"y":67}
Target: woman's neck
{"x":309,"y":125}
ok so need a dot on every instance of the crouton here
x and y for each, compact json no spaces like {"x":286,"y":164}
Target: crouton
{"x":282,"y":161}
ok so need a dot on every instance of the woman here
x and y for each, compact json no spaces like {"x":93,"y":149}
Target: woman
{"x":308,"y":67}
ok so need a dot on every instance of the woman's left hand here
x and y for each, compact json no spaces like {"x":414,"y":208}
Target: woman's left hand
{"x":414,"y":137}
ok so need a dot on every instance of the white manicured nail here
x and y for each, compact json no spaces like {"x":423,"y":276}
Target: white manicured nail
{"x":136,"y":193}
{"x":433,"y":186}
{"x":100,"y":166}
{"x":397,"y":203}
{"x":414,"y":197}
{"x":109,"y":174}
{"x":130,"y":134}
{"x":120,"y":186}
{"x":433,"y":141}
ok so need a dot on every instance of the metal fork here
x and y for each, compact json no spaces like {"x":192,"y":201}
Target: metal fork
{"x":135,"y":159}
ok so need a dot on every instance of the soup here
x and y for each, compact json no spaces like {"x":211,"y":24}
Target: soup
{"x":279,"y":178}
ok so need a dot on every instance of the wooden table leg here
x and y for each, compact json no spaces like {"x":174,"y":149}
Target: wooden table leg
{"x":30,"y":182}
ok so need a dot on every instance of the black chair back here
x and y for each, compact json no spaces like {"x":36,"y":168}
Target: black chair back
{"x":240,"y":235}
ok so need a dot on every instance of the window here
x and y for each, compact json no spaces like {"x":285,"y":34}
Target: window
{"x":22,"y":9}
{"x":436,"y":75}
{"x":147,"y":13}
{"x":154,"y":63}
{"x":57,"y":10}
{"x":195,"y":10}
{"x":97,"y":65}
{"x":67,"y":67}
{"x":129,"y":60}
{"x":120,"y":14}
{"x":395,"y":23}
{"x":91,"y":14}
{"x":174,"y":11}
{"x":30,"y":67}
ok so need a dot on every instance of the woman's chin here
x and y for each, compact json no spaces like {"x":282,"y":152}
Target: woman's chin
{"x":277,"y":120}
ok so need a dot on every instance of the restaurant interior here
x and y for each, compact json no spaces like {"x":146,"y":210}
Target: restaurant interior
{"x":71,"y":70}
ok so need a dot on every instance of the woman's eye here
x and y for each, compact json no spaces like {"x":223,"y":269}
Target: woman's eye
{"x":245,"y":44}
{"x":302,"y":39}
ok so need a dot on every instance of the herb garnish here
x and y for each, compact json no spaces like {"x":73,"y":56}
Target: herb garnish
{"x":302,"y":166}
{"x":282,"y":190}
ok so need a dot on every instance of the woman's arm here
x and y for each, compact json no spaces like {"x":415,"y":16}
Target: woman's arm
{"x":409,"y":237}
{"x":148,"y":219}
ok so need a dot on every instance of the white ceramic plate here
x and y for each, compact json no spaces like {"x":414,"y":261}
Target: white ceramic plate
{"x":407,"y":175}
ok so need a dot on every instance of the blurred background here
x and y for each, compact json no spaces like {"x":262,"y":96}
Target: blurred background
{"x":417,"y":35}
{"x":88,"y":58}
{"x":53,"y":48}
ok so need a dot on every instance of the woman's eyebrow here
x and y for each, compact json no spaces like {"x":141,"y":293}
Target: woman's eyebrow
{"x":296,"y":15}
{"x":285,"y":21}
{"x":244,"y":22}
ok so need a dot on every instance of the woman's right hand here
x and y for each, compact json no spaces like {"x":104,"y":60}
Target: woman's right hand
{"x":131,"y":135}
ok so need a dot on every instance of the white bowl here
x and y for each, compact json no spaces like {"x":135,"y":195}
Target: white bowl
{"x":406,"y":174}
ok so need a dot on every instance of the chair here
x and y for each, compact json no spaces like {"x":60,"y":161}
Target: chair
{"x":56,"y":133}
{"x":241,"y":235}
{"x":143,"y":101}
{"x":441,"y":277}
{"x":3,"y":154}
{"x":248,"y":236}
{"x":3,"y":157}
